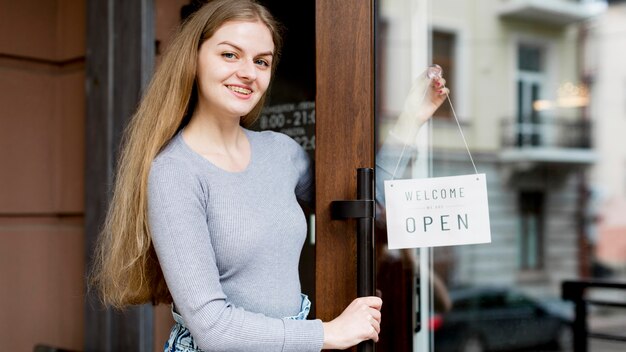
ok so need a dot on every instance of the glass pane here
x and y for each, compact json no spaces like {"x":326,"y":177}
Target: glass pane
{"x":400,"y":58}
{"x":541,"y":99}
{"x":529,"y":58}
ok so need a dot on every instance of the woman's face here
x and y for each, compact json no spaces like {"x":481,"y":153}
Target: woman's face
{"x":234,"y":68}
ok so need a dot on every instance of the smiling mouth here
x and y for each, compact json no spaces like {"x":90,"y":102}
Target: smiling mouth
{"x":240,"y":90}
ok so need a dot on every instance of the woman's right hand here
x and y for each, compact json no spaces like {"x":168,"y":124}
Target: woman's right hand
{"x":424,"y":98}
{"x":360,"y":321}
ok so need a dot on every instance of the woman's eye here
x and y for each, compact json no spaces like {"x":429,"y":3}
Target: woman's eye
{"x":262,"y":62}
{"x":229,"y":55}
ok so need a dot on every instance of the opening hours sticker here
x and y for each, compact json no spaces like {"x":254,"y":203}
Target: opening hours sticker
{"x":439,"y":211}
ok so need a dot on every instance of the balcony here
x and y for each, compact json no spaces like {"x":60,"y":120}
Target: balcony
{"x":551,"y":12}
{"x":551,"y":141}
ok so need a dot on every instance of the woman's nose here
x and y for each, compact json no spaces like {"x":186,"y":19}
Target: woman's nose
{"x":247,"y":71}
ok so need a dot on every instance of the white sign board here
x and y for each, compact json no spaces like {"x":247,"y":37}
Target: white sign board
{"x":439,"y":211}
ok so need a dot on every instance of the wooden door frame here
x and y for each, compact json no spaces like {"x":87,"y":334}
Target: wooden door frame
{"x":344,"y":140}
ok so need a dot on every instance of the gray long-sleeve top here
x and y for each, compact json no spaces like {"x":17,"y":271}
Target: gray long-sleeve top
{"x":229,"y":244}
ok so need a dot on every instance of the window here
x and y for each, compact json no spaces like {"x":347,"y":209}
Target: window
{"x":463,"y":305}
{"x":492,"y":301}
{"x":531,"y":231}
{"x":443,"y":55}
{"x":516,"y":300}
{"x":530,"y":58}
{"x":530,"y":83}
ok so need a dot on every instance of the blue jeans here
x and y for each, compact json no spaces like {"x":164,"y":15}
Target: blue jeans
{"x":181,"y":340}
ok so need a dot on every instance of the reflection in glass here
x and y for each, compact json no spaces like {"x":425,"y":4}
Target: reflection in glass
{"x":401,"y":97}
{"x":540,"y":98}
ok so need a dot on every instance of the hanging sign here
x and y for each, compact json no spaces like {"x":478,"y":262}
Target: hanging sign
{"x":440,"y":211}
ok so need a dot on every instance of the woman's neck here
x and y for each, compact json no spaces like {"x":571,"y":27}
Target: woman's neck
{"x":213,"y":134}
{"x":220,"y":140}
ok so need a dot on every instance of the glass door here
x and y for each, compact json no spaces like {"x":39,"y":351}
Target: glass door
{"x":552,"y":198}
{"x":530,"y":83}
{"x":366,"y":62}
{"x":503,"y":295}
{"x":404,"y":276}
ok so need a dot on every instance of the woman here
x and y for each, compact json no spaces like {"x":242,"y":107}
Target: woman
{"x":205,"y":213}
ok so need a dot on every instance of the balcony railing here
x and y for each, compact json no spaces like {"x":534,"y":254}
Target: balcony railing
{"x":551,"y":141}
{"x":549,"y":133}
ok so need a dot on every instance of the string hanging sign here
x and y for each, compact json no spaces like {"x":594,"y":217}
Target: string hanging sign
{"x":437,"y":211}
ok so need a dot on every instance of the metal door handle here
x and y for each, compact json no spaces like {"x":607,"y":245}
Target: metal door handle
{"x":361,"y":209}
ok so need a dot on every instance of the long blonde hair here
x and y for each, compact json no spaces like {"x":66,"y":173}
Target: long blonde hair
{"x":125,"y":268}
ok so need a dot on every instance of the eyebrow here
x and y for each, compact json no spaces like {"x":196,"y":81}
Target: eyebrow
{"x":267,"y":53}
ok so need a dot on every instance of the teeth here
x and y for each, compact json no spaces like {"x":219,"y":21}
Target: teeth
{"x":240,"y":90}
